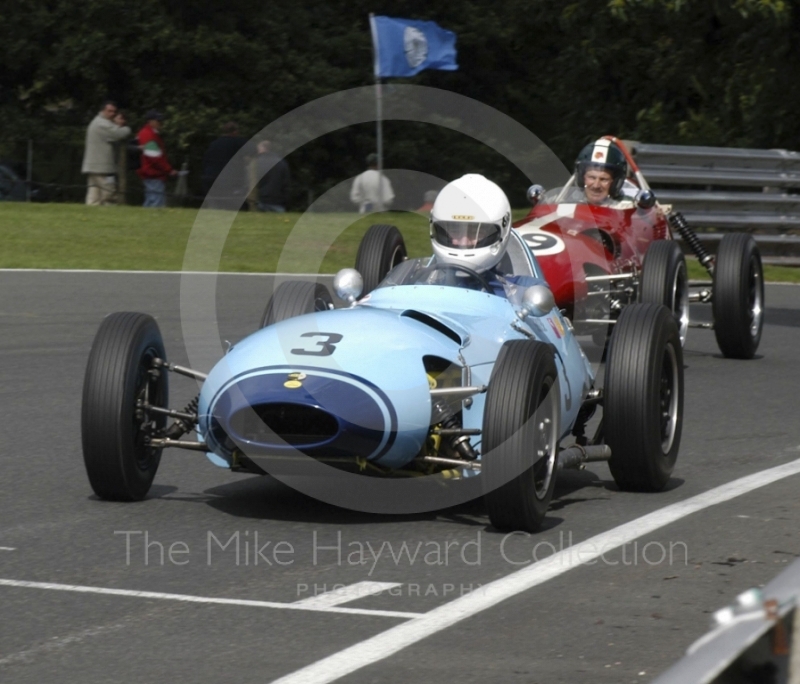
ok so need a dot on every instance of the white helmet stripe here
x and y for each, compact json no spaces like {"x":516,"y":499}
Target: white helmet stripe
{"x":600,"y":151}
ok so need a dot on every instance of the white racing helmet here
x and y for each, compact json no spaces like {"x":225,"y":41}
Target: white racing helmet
{"x":471,"y":223}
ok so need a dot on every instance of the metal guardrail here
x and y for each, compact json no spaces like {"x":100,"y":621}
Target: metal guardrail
{"x":728,"y":196}
{"x":710,"y":158}
{"x":757,"y":639}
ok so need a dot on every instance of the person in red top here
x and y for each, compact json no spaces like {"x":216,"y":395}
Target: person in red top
{"x":155,"y":168}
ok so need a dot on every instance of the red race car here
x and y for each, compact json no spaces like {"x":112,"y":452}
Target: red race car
{"x":604,"y":241}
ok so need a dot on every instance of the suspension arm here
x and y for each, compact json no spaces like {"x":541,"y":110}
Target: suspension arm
{"x":181,"y":370}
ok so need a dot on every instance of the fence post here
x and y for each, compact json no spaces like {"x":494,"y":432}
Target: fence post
{"x":29,"y":174}
{"x":181,"y":186}
{"x":122,"y":172}
{"x":252,"y":179}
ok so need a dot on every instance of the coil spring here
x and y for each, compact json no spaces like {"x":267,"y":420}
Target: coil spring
{"x":182,"y":425}
{"x":191,"y":407}
{"x":442,"y":413}
{"x":679,"y":223}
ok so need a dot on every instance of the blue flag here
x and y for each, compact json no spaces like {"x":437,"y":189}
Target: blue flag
{"x":404,"y":47}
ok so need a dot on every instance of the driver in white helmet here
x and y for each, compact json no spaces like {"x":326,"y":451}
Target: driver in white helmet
{"x":471,"y":227}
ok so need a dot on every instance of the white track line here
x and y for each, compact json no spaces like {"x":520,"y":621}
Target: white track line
{"x":397,"y":638}
{"x":204,"y":599}
{"x":7,"y":548}
{"x":344,"y":594}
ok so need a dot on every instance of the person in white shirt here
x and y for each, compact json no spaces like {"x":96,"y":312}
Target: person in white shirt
{"x":371,"y":191}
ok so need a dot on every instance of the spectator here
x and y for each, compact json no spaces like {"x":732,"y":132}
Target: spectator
{"x":273,"y":186}
{"x":217,"y":157}
{"x":371,"y":190}
{"x":155,"y":169}
{"x":99,"y":156}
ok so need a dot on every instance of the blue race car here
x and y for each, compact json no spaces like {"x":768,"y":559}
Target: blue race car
{"x":440,"y":373}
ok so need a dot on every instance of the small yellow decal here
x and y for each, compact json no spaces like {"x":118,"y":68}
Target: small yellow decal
{"x":294,"y":380}
{"x":463,"y":217}
{"x":555,"y":324}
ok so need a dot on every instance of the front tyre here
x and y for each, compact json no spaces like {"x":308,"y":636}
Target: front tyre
{"x":381,"y":249}
{"x":520,"y":435}
{"x":295,"y":298}
{"x":738,"y":302}
{"x":665,"y":281}
{"x":643,"y":397}
{"x":114,"y":430}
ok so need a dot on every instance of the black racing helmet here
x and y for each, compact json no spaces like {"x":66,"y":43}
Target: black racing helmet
{"x":603,"y":154}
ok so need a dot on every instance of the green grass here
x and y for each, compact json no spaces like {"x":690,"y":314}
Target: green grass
{"x":74,"y":236}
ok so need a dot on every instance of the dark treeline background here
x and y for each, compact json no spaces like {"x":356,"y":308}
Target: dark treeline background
{"x":667,"y":71}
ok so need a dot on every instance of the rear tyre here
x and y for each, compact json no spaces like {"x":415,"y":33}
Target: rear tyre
{"x":381,"y":249}
{"x":119,"y":374}
{"x":738,"y":302}
{"x":665,"y":281}
{"x":643,"y":397}
{"x":520,"y":435}
{"x":295,"y":298}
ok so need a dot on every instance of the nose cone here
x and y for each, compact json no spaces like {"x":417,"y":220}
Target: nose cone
{"x":316,"y":413}
{"x":345,"y":382}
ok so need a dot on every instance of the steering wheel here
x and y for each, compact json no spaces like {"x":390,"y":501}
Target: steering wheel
{"x":474,"y":275}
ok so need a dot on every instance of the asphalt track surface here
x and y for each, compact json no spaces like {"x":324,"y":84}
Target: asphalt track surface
{"x":470,"y":607}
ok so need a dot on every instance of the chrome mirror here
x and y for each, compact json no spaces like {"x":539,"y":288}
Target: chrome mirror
{"x":645,"y":199}
{"x":538,"y":300}
{"x":348,"y":285}
{"x":534,"y":194}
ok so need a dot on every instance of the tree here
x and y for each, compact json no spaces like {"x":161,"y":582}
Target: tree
{"x":667,"y":71}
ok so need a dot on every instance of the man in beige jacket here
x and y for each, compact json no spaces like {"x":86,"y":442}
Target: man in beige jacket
{"x":99,"y":157}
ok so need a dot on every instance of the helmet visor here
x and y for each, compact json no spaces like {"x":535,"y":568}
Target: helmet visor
{"x":465,"y":234}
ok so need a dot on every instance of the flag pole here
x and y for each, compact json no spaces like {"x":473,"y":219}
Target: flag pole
{"x":378,"y":107}
{"x":379,"y":134}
